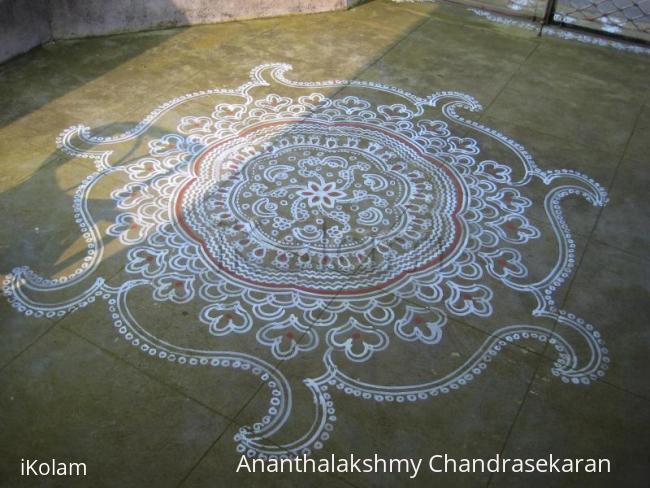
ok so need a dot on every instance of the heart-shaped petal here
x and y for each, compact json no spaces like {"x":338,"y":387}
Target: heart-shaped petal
{"x":144,"y":169}
{"x":436,"y":128}
{"x":515,"y":228}
{"x":494,"y":171}
{"x":227,"y":318}
{"x":191,"y":125}
{"x":130,"y":195}
{"x":315,"y":100}
{"x":359,"y":342}
{"x":463,"y":145}
{"x":229,"y":111}
{"x":169,"y":144}
{"x":396,"y":111}
{"x":128,"y":228}
{"x":505,"y":263}
{"x":148,"y":261}
{"x":174,"y":287}
{"x":469,"y":300}
{"x":274,"y":102}
{"x":288,"y":338}
{"x":421,"y":324}
{"x":351,"y":104}
{"x":510,"y":199}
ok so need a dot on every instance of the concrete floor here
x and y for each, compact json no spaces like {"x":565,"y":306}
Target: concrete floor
{"x":465,"y":364}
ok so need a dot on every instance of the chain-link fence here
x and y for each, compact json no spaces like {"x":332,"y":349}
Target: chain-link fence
{"x":624,"y":18}
{"x":630,"y":18}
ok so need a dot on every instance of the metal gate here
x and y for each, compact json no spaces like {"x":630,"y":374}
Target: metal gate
{"x":626,"y":18}
{"x":620,"y":18}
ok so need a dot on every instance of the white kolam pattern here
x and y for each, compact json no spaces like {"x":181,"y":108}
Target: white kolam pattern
{"x":272,"y":208}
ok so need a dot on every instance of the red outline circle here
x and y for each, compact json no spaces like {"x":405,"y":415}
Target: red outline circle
{"x":357,"y":291}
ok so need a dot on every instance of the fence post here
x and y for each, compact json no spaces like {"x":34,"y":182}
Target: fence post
{"x":548,"y":14}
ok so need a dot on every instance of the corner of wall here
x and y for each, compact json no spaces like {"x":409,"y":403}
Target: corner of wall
{"x":26,"y":24}
{"x":23,"y":26}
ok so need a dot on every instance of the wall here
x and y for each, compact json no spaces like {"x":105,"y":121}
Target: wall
{"x":25,"y":24}
{"x":81,"y":18}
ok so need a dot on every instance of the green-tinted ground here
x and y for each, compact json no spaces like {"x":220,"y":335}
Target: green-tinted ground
{"x":72,"y":389}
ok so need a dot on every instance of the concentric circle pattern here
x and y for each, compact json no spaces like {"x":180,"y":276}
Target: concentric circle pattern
{"x":306,"y":205}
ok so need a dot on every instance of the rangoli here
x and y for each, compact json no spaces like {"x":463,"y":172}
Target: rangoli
{"x":337,"y":218}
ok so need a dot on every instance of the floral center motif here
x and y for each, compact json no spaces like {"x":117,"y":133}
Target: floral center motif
{"x":316,"y":200}
{"x":322,"y":195}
